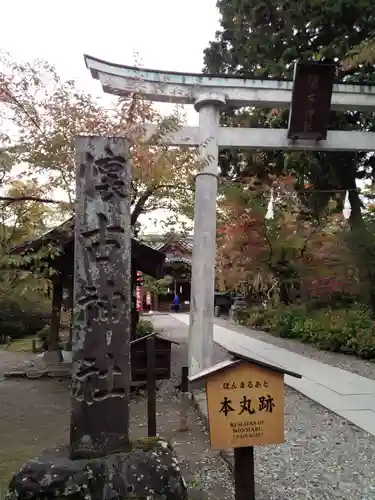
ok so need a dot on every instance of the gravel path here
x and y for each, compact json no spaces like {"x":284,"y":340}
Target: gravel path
{"x":350,"y":363}
{"x":204,"y":470}
{"x":324,"y":456}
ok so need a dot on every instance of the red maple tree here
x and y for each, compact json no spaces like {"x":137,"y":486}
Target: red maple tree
{"x":289,"y":252}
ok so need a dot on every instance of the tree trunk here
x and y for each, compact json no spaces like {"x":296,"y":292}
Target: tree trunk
{"x":57,"y":296}
{"x":355,"y":219}
{"x":134,"y":312}
{"x":357,"y":226}
{"x":155,"y":301}
{"x":70,"y":338}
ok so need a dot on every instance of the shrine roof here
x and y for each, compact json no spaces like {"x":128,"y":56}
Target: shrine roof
{"x":161,"y":242}
{"x":147,"y":259}
{"x":158,"y":335}
{"x":239,"y":359}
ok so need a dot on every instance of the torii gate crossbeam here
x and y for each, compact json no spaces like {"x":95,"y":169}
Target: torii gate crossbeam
{"x":185,"y":88}
{"x":210,"y":94}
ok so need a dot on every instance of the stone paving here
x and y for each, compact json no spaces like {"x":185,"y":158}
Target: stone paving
{"x":324,"y":455}
{"x":349,"y":395}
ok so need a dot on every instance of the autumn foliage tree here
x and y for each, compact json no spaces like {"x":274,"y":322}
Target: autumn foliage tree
{"x":289,"y":257}
{"x":41,"y":115}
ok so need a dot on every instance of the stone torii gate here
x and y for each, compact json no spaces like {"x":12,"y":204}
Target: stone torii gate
{"x":210,"y":94}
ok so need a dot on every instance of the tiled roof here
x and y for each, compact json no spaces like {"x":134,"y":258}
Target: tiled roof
{"x":159,"y":241}
{"x":177,"y":260}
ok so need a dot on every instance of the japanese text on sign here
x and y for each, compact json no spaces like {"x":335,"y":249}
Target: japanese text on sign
{"x":246,"y":407}
{"x":265,"y":403}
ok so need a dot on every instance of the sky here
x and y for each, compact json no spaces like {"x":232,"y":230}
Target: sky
{"x":166,"y":34}
{"x":162,"y":34}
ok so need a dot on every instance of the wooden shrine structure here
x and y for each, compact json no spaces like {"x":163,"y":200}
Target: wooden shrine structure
{"x":178,"y":253}
{"x":143,"y":258}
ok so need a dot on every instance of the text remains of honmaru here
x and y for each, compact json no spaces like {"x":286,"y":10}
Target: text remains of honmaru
{"x":245,"y":402}
{"x":246,"y":407}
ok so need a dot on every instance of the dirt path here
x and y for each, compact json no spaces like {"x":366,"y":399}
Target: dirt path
{"x":9,"y":359}
{"x":34,"y":415}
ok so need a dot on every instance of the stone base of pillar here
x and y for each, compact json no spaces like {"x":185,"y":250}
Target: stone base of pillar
{"x":148,"y":470}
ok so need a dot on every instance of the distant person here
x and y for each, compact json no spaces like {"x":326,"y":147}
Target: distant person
{"x":176,"y":303}
{"x":148,"y":302}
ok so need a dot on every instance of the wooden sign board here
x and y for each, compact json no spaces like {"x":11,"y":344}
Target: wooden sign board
{"x":245,"y":406}
{"x":138,"y":358}
{"x":311,"y":101}
{"x":245,"y":399}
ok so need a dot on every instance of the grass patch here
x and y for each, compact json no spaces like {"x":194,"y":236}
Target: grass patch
{"x":20,"y":345}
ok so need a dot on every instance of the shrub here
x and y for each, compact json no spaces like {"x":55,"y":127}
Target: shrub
{"x":241,"y":315}
{"x":288,"y":321}
{"x":35,"y":315}
{"x":43,"y":336}
{"x":144,"y":327}
{"x":20,"y":317}
{"x":363,"y":344}
{"x":350,"y":331}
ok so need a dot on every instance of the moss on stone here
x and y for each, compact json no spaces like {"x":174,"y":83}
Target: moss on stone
{"x":150,"y":443}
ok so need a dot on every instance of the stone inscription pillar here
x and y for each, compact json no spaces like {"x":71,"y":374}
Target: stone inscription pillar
{"x":102,"y":298}
{"x":204,"y":248}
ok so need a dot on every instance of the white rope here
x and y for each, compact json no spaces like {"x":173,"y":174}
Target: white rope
{"x":347,"y":209}
{"x":270,"y":213}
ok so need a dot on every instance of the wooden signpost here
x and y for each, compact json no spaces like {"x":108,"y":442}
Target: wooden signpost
{"x":245,"y":399}
{"x":151,"y":361}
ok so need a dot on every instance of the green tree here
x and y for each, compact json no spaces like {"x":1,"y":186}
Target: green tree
{"x":264,"y":39}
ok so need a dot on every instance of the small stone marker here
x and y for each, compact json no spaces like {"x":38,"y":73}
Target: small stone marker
{"x":102,"y":299}
{"x":245,"y":399}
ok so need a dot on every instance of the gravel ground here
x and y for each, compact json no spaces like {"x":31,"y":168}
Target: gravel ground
{"x":324,"y":456}
{"x":340,"y":360}
{"x":204,"y":470}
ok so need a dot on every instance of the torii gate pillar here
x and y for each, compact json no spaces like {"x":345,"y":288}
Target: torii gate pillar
{"x":204,"y":249}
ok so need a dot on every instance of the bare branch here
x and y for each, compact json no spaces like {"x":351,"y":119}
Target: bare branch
{"x":15,"y":199}
{"x":139,"y":205}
